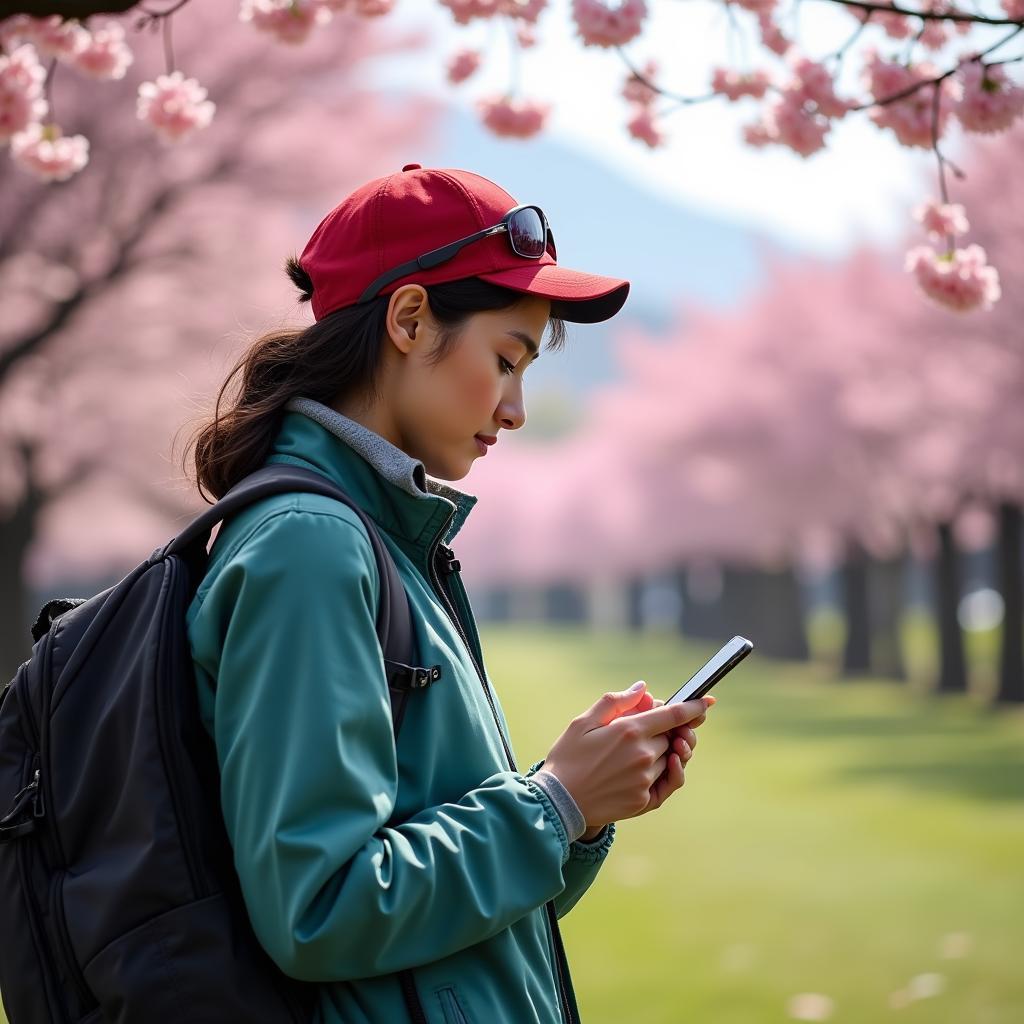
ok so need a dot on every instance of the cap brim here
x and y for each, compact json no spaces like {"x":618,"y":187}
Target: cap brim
{"x":575,"y":296}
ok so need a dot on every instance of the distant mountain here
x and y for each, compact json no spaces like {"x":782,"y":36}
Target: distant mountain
{"x":607,"y":223}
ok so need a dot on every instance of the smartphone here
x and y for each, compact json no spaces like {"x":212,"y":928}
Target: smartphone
{"x":720,"y":665}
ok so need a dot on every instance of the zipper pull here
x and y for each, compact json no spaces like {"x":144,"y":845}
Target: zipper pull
{"x":25,"y":799}
{"x":449,"y":563}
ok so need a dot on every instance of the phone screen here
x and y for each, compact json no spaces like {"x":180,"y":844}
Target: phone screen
{"x":708,"y":674}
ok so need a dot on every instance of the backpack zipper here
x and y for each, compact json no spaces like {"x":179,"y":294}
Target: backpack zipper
{"x":452,"y":611}
{"x":44,"y":800}
{"x":169,"y":748}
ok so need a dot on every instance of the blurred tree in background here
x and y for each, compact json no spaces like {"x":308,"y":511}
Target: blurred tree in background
{"x":122,"y":288}
{"x":825,"y":422}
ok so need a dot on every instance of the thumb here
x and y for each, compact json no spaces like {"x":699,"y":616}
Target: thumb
{"x":616,"y":703}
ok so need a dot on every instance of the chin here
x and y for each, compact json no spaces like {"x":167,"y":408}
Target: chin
{"x":449,"y":469}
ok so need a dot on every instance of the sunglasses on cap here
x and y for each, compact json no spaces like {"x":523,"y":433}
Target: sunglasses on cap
{"x":528,"y":233}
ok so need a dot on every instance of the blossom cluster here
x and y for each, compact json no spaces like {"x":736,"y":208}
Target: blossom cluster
{"x":292,"y":21}
{"x":640,"y":92}
{"x":173,"y":106}
{"x":801,"y":114}
{"x":959,"y":279}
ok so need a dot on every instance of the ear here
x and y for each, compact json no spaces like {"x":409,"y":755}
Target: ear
{"x":408,"y":319}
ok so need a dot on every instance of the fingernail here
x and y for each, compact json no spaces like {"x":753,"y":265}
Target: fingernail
{"x":638,"y":685}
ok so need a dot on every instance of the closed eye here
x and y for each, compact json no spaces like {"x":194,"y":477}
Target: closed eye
{"x":506,"y":366}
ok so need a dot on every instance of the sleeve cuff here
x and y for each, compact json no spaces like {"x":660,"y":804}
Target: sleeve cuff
{"x":595,"y":850}
{"x":572,"y":818}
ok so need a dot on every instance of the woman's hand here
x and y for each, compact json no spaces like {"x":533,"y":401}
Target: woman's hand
{"x":624,"y":755}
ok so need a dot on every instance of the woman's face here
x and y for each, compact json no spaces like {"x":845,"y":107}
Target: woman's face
{"x":440,"y":412}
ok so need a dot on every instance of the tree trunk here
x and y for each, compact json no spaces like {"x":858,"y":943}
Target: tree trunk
{"x":854,"y":585}
{"x":952,"y":663}
{"x":885,"y":611}
{"x":565,"y":604}
{"x":702,"y":610}
{"x":1011,"y":586}
{"x":634,"y":601}
{"x":766,"y":606}
{"x":16,"y":532}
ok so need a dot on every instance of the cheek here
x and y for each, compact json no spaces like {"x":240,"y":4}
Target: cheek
{"x":474,"y":384}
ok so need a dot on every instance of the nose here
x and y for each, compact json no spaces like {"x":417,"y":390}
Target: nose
{"x":511,"y":413}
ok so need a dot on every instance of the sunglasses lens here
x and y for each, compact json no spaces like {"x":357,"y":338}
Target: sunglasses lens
{"x":526,"y":233}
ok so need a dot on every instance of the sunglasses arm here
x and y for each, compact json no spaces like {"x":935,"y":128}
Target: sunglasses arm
{"x":427,"y":261}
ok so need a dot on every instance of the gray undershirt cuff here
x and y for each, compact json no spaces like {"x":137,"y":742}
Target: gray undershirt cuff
{"x":572,"y":817}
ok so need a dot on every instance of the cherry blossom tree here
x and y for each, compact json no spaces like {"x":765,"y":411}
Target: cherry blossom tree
{"x":918,"y":70}
{"x":825,"y":422}
{"x":127,"y":286}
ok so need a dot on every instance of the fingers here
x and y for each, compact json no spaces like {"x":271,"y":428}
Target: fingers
{"x":613,"y":705}
{"x":645,"y":703}
{"x":672,"y":780}
{"x":669,"y":716}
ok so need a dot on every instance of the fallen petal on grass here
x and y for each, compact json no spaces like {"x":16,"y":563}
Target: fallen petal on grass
{"x":956,"y":945}
{"x":926,"y":986}
{"x":810,"y":1006}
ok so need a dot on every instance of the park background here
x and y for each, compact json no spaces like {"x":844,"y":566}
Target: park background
{"x":778,"y":437}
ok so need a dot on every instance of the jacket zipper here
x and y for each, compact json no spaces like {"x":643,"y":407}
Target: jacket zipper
{"x":449,"y":606}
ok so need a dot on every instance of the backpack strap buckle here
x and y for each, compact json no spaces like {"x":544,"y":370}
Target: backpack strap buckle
{"x":411,"y":677}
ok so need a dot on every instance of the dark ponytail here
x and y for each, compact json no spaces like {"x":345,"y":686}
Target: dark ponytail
{"x":334,"y":358}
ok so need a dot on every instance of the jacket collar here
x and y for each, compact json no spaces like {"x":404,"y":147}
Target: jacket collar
{"x":391,"y":486}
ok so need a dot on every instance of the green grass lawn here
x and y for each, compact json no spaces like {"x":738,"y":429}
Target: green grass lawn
{"x":857,"y":840}
{"x":834,"y":838}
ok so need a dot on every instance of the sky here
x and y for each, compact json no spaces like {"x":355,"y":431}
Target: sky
{"x":859,"y":189}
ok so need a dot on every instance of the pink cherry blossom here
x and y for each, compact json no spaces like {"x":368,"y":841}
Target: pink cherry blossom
{"x":465,"y":11}
{"x":895,"y":26}
{"x":637,"y":91}
{"x":1014,"y":9}
{"x":372,"y":8}
{"x":757,"y":135}
{"x":526,"y":36}
{"x":934,"y":35}
{"x":771,"y":35}
{"x":599,"y":24}
{"x":48,"y":154}
{"x":942,"y":220}
{"x":525,"y":10}
{"x":960,"y":280}
{"x":813,"y":83}
{"x":789,"y":122}
{"x":512,"y":118}
{"x":911,"y":118}
{"x":106,"y":54}
{"x":734,"y":85}
{"x":364,"y":8}
{"x":462,"y":65}
{"x":53,"y":35}
{"x":174,"y":105}
{"x":989,"y":102}
{"x":758,"y":7}
{"x":642,"y":127}
{"x":291,"y":21}
{"x":21,"y":91}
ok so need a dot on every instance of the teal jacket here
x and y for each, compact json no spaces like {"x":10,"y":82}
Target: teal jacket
{"x":357,"y":859}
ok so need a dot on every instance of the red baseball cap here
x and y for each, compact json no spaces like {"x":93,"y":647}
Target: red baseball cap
{"x":395,"y":219}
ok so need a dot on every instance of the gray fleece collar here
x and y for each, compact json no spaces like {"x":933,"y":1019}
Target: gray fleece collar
{"x":390,"y":461}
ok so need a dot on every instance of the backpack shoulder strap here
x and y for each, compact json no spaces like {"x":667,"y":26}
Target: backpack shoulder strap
{"x":394,"y":619}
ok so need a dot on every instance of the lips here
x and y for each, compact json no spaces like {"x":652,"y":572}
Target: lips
{"x":484,"y":441}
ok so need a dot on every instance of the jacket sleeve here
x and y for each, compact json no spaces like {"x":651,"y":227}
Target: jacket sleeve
{"x":585,"y":858}
{"x":304,"y":739}
{"x":580,"y":870}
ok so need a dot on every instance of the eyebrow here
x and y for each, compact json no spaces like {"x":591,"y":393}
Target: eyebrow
{"x":531,"y":345}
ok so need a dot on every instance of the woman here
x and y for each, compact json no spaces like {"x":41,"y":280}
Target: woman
{"x":362,"y":859}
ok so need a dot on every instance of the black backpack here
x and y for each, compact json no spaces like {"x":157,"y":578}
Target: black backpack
{"x":118,"y":894}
